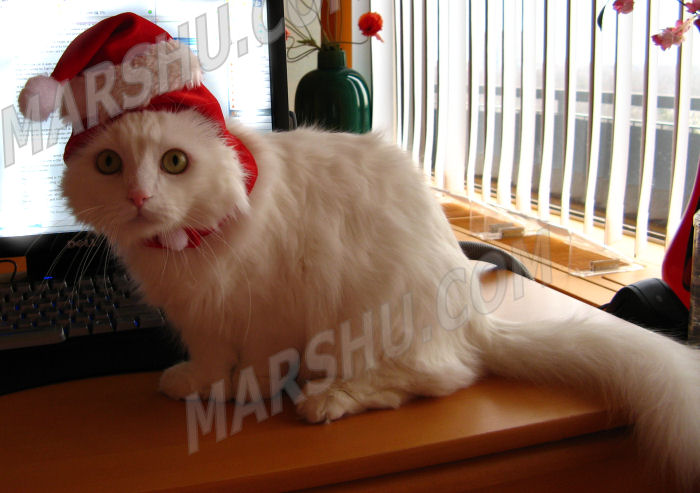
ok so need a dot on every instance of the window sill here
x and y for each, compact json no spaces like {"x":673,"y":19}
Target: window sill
{"x":594,"y":290}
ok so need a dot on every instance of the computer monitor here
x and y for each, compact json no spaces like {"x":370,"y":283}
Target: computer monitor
{"x":244,"y":67}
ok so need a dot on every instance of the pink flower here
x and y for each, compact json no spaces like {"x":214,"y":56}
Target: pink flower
{"x":672,"y":35}
{"x":624,"y":6}
{"x":693,"y":7}
{"x":370,"y":23}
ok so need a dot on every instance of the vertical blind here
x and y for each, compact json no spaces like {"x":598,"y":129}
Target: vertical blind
{"x":528,"y":104}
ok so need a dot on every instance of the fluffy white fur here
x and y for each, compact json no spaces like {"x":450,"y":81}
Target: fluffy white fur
{"x":337,"y":226}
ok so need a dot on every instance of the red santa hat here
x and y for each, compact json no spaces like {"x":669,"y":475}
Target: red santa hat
{"x":125,"y":63}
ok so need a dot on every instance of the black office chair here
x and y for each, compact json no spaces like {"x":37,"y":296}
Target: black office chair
{"x":652,"y":304}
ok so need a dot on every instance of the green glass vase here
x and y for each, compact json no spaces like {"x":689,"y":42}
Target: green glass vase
{"x":333,"y":96}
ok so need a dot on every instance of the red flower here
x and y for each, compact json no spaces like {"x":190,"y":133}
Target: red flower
{"x":672,"y":35}
{"x":370,"y":23}
{"x":693,"y":7}
{"x":623,"y":6}
{"x":669,"y":36}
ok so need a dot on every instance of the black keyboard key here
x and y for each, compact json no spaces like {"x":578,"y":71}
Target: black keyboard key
{"x":86,"y":308}
{"x":135,"y":309}
{"x":19,"y":338}
{"x":33,"y":316}
{"x":128,"y":303}
{"x":45,"y":324}
{"x":99,"y":291}
{"x":101,"y":327}
{"x":23,"y":324}
{"x":78,"y":329}
{"x":122,"y":284}
{"x":46,"y":307}
{"x":21,"y":287}
{"x":151,"y":320}
{"x":85,"y":284}
{"x":52,"y":296}
{"x":33,"y":299}
{"x":65,"y":306}
{"x":58,"y":284}
{"x":122,"y":323}
{"x":15,"y":298}
{"x":100,"y":280}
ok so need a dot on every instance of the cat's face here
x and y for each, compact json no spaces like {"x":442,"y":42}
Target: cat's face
{"x":153,"y":173}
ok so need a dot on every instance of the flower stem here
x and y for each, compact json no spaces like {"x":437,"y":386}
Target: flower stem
{"x":296,"y":58}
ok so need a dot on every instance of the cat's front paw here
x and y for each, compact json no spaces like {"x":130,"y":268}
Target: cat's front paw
{"x":327,"y":406}
{"x":347,"y":397}
{"x":182,"y":380}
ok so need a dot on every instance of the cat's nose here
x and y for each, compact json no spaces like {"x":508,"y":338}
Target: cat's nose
{"x":138,"y":197}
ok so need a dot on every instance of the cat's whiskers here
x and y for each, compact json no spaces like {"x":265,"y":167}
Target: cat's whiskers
{"x":91,"y":214}
{"x":57,"y":258}
{"x":75,"y":279}
{"x":86,"y":261}
{"x":110,"y":254}
{"x":94,"y":215}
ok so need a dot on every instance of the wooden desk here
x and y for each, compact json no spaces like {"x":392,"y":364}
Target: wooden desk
{"x":118,"y":434}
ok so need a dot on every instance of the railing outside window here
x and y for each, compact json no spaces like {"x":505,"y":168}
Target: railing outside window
{"x":528,"y":104}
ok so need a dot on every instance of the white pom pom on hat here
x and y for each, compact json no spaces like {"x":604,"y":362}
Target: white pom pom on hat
{"x":44,"y":88}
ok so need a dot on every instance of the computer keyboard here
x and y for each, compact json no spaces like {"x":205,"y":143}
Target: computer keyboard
{"x":53,"y":330}
{"x":50,"y":311}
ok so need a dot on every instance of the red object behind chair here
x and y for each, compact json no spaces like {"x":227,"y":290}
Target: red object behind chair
{"x":677,"y":264}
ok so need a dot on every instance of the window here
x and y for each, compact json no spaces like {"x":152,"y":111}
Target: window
{"x":529,"y":105}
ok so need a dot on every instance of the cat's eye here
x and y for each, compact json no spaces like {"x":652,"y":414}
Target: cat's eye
{"x":108,"y":162}
{"x":174,"y":161}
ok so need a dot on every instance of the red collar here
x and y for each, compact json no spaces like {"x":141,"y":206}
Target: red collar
{"x":194,"y":238}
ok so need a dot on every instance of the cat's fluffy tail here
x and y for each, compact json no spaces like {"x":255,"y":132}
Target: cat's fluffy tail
{"x":653,"y":378}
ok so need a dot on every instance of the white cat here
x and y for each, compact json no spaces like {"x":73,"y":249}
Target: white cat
{"x":340,"y":253}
